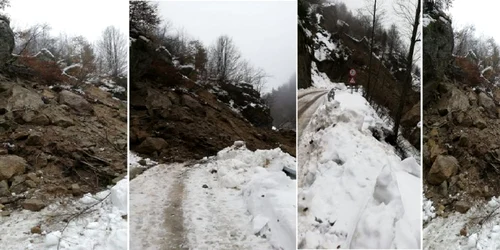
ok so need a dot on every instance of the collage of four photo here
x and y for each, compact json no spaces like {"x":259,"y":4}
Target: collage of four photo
{"x":286,"y":124}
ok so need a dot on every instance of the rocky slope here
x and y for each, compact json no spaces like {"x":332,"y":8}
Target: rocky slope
{"x":175,"y":119}
{"x":461,"y":125}
{"x":57,"y":142}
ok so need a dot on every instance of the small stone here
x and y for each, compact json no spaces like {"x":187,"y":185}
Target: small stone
{"x":462,"y":206}
{"x":75,"y":189}
{"x":142,"y":162}
{"x":5,"y":213}
{"x":36,"y":230}
{"x":463,"y":231}
{"x":33,"y":205}
{"x":30,"y":184}
{"x":4,"y":188}
{"x":32,"y":176}
{"x":204,"y":186}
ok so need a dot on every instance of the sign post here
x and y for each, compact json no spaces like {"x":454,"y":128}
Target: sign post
{"x":352,"y":79}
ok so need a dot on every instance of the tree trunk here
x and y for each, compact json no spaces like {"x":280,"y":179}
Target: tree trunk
{"x":407,"y":83}
{"x":368,"y":90}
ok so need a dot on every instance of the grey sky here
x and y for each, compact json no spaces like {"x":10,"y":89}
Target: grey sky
{"x":264,"y":31}
{"x":481,"y":13}
{"x":87,"y":18}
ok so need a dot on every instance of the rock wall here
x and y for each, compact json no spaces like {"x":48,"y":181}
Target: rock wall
{"x":6,"y":40}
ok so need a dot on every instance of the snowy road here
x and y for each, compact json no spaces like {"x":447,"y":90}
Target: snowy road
{"x":308,"y":101}
{"x":238,"y":199}
{"x":350,"y":193}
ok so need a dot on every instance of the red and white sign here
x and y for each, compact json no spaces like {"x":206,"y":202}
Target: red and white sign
{"x":352,"y":73}
{"x":352,"y":81}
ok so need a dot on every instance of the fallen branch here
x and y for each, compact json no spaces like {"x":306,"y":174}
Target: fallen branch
{"x":86,"y":210}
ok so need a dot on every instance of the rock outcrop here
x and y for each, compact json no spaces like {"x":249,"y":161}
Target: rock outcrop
{"x":6,"y":40}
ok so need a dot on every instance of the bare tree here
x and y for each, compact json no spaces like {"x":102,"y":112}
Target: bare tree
{"x":409,"y":62}
{"x":33,"y":39}
{"x":224,"y":59}
{"x":376,"y":16}
{"x":113,"y":51}
{"x":256,"y":77}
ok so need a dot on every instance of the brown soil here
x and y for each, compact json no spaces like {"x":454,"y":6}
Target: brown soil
{"x":91,"y":152}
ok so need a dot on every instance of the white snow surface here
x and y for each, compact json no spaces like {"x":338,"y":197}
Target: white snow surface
{"x":354,"y":191}
{"x":246,"y":197}
{"x":444,"y":233}
{"x":101,"y":228}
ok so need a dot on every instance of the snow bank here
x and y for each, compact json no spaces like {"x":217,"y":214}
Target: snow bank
{"x":444,"y":233}
{"x":249,"y":197}
{"x":319,"y":79}
{"x":101,"y":227}
{"x":354,"y":191}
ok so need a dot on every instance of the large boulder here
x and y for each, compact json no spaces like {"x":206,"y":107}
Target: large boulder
{"x":11,"y":165}
{"x":6,"y":40}
{"x":412,"y":117}
{"x":444,"y":167}
{"x":76,"y":102}
{"x":15,"y":98}
{"x":488,"y":104}
{"x":151,"y":145}
{"x":457,"y":101}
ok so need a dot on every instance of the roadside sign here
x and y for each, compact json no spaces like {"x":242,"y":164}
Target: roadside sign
{"x":352,"y":73}
{"x":352,"y":81}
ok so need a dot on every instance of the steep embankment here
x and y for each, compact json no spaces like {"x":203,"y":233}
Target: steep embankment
{"x":327,"y":47}
{"x":177,"y":119}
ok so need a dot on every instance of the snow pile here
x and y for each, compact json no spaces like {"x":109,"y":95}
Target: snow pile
{"x":249,"y":199}
{"x":481,"y":224}
{"x":428,"y":210}
{"x":100,"y":227}
{"x":354,"y":191}
{"x":326,"y":46}
{"x":319,"y":79}
{"x":111,"y":86}
{"x":133,"y":161}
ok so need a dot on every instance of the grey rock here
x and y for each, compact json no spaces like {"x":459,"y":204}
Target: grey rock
{"x":76,"y":102}
{"x":11,"y":165}
{"x":33,"y":205}
{"x":7,"y":43}
{"x":444,"y":167}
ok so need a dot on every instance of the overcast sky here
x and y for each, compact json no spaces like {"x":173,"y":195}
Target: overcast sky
{"x":481,"y":13}
{"x":264,"y":31}
{"x":73,"y":17}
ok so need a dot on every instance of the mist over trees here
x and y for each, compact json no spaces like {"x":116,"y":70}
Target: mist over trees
{"x":282,"y":102}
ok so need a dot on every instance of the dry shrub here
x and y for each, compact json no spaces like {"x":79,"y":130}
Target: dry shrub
{"x":163,"y":73}
{"x":471,"y":71}
{"x":46,"y":71}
